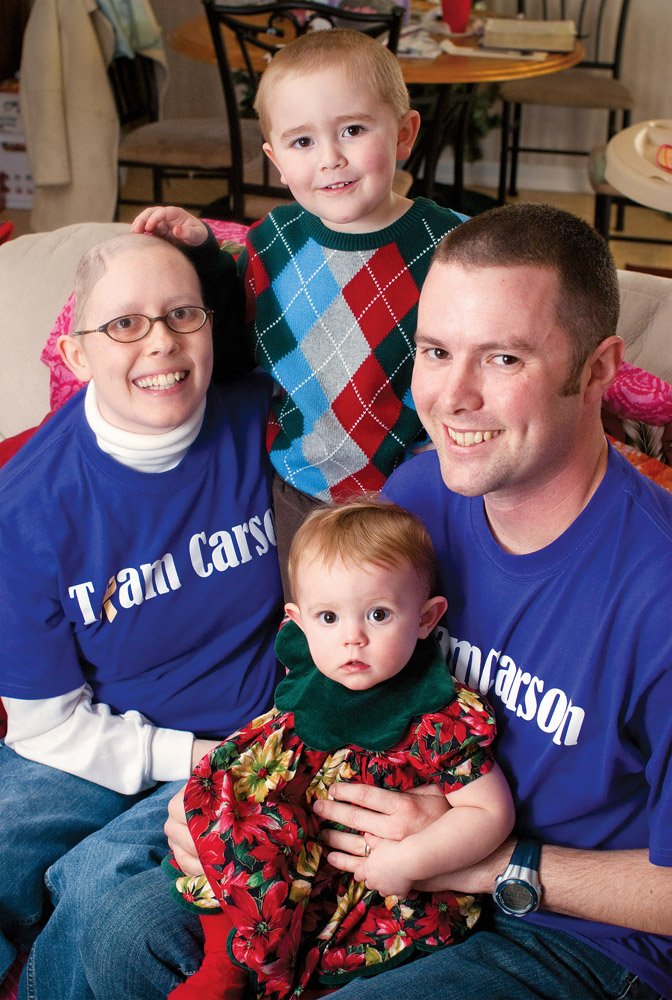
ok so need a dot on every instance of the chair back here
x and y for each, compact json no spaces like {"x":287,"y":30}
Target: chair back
{"x":600,"y":24}
{"x":133,"y":83}
{"x":246,"y":35}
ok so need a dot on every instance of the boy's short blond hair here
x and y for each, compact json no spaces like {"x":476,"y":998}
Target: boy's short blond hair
{"x":366,"y":59}
{"x":367,"y":530}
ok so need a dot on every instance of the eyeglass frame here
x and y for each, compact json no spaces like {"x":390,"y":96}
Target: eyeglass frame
{"x":208,"y":314}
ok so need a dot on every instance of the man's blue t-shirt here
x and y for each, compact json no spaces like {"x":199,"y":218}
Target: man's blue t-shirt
{"x":572,"y":645}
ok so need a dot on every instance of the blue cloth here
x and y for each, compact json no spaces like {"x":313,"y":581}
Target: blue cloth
{"x":45,"y":814}
{"x":506,"y":959}
{"x":123,"y":837}
{"x":572,"y":646}
{"x":134,"y":24}
{"x":162,"y":591}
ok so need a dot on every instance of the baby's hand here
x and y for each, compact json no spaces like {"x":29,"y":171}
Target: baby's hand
{"x":171,"y":223}
{"x":382,"y":869}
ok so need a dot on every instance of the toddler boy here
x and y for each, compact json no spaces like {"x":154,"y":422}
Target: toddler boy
{"x":332,"y":282}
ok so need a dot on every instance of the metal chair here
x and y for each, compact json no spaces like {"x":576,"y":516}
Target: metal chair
{"x":593,"y":84}
{"x":169,"y":148}
{"x":261,"y":29}
{"x":605,"y":196}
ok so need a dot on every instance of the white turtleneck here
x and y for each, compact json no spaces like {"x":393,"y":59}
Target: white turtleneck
{"x":72,"y":732}
{"x":142,"y":452}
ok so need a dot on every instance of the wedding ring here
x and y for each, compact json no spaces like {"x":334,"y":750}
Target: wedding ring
{"x":367,"y":850}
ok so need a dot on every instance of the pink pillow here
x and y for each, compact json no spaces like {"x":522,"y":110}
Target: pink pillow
{"x":638,"y":395}
{"x":62,"y":383}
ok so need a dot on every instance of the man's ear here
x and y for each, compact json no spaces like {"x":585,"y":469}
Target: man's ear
{"x":268,"y":149}
{"x":602,"y":366}
{"x":292,"y":611}
{"x":72,"y":354}
{"x":408,"y":133}
{"x":432,"y":612}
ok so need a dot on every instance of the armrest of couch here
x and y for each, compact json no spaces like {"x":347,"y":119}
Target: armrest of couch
{"x":645,"y":322}
{"x":37,"y":278}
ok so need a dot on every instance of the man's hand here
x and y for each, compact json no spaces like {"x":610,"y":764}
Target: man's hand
{"x":179,"y":838}
{"x":383,"y":813}
{"x":171,"y":223}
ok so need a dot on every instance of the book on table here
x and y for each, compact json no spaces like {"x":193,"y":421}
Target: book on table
{"x":519,"y":33}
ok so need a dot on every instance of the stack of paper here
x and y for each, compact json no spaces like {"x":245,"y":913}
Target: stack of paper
{"x":518,"y":33}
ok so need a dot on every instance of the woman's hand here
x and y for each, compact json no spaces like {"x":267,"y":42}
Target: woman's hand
{"x":179,"y":838}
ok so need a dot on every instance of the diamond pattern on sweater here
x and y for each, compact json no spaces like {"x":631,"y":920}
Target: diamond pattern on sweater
{"x":330,"y":449}
{"x":380,"y":294}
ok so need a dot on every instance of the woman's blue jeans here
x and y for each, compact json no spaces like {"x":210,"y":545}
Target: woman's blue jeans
{"x":87,"y":845}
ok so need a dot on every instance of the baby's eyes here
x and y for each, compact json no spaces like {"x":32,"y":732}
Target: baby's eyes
{"x":379,"y":615}
{"x":353,"y":130}
{"x":327,"y":617}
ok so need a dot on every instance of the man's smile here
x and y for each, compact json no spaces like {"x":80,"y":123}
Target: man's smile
{"x":466,"y":439}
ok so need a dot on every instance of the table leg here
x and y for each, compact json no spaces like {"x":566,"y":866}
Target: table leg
{"x":448,"y":126}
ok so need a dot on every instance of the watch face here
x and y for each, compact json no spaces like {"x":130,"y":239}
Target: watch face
{"x":517,"y":897}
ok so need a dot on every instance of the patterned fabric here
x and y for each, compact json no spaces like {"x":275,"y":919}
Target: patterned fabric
{"x":639,"y":395}
{"x":249,"y":811}
{"x":334,"y":319}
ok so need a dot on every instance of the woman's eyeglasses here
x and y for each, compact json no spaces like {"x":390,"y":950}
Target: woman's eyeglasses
{"x":126,"y":329}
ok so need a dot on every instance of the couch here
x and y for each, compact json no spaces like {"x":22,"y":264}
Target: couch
{"x":36,"y":278}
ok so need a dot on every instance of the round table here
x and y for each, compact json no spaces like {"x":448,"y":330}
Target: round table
{"x":631,"y":168}
{"x":192,"y":39}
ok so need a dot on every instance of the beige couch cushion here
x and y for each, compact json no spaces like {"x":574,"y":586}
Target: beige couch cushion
{"x":646,"y":321}
{"x":36,"y":278}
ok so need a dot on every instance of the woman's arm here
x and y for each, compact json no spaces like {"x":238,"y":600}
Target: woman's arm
{"x":480,"y":817}
{"x":122,"y":752}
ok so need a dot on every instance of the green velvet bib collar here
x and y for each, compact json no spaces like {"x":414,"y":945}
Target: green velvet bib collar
{"x":328,"y":716}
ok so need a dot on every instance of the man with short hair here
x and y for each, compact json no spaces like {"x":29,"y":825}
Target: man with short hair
{"x":556,"y":559}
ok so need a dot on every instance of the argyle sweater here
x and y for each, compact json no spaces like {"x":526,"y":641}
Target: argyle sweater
{"x":333,"y":317}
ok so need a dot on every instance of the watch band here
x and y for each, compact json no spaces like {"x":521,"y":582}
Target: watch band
{"x":527,"y":854}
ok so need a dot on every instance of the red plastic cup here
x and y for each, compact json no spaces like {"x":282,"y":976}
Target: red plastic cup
{"x":456,"y":15}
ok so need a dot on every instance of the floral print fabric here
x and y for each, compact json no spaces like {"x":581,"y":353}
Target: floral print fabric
{"x":249,"y":811}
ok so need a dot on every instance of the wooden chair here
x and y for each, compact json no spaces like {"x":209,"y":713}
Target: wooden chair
{"x":169,"y":148}
{"x":593,"y":84}
{"x":262,"y":28}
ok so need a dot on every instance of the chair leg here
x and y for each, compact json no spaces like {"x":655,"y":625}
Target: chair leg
{"x":515,"y":145}
{"x":157,"y":186}
{"x":602,"y":214}
{"x":504,"y":153}
{"x":620,"y":216}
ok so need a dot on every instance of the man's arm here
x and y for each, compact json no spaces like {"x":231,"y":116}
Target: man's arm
{"x":613,"y":887}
